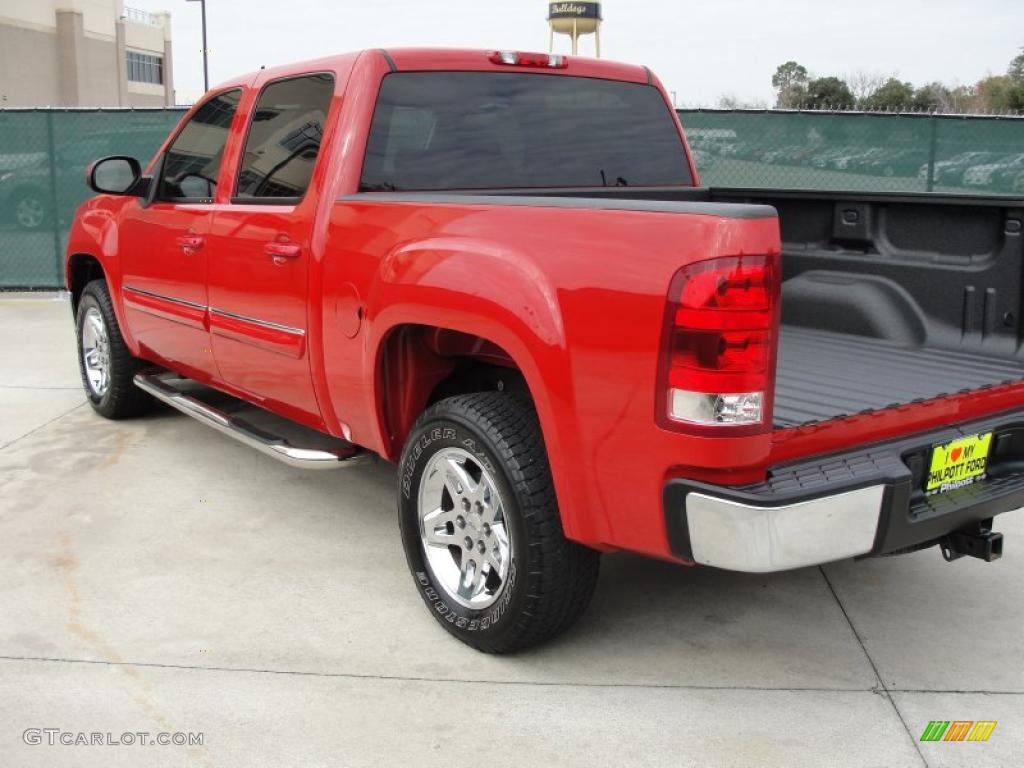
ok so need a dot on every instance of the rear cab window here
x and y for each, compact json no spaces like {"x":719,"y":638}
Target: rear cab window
{"x":484,"y":130}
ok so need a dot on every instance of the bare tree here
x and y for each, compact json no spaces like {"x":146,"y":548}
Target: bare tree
{"x":864,"y":83}
{"x":732,"y":101}
{"x":934,"y":97}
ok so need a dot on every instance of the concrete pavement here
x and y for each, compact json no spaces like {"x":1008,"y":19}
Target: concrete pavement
{"x":156,"y":576}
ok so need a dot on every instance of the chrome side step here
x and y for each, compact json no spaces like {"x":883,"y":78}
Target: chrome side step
{"x":160,"y":385}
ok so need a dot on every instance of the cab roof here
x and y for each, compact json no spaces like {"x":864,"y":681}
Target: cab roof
{"x":451,"y":59}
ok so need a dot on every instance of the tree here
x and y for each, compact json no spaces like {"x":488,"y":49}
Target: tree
{"x":892,"y":95}
{"x":795,"y":88}
{"x":996,"y":93}
{"x":1016,"y":69}
{"x":863,"y":83}
{"x":732,"y":101}
{"x":828,"y":93}
{"x":963,"y":99}
{"x":790,"y":84}
{"x":1016,"y":74}
{"x":933,"y":97}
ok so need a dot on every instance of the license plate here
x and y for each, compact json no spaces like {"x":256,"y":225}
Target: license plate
{"x":959,"y":463}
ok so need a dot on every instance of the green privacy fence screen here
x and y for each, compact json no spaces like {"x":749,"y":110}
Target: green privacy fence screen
{"x":864,"y":151}
{"x":43,"y":154}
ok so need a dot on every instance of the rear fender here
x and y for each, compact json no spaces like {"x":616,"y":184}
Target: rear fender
{"x":492,"y":291}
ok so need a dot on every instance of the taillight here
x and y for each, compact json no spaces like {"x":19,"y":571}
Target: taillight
{"x":718,"y":355}
{"x":520,"y":59}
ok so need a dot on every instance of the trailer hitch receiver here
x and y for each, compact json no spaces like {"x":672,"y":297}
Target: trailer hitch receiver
{"x":978,"y":541}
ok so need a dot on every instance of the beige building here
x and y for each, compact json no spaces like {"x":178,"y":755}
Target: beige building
{"x":83,"y":53}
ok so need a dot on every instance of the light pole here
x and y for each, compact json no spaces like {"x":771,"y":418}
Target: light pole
{"x":206,"y":69}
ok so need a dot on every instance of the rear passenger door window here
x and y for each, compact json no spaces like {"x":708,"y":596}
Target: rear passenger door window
{"x":192,"y":163}
{"x":284,"y":140}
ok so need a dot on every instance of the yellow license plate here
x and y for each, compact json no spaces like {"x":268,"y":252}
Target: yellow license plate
{"x":959,"y":463}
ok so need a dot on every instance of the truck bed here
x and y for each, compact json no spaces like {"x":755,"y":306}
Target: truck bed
{"x":887,"y":299}
{"x":824,"y":375}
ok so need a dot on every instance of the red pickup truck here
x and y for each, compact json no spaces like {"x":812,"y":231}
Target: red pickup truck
{"x":499,"y":270}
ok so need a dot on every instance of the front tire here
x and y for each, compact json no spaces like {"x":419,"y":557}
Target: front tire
{"x":106,"y":364}
{"x":481,"y":528}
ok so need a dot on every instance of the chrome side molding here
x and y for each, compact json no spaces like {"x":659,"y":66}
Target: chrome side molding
{"x":160,"y":386}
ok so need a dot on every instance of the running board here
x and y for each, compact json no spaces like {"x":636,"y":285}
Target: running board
{"x":161,"y":386}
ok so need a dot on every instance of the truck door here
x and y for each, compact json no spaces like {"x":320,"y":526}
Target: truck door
{"x":163,"y":245}
{"x":259,"y":249}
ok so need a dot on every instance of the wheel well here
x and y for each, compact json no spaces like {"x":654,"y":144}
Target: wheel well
{"x":82,"y":269}
{"x":419,"y":365}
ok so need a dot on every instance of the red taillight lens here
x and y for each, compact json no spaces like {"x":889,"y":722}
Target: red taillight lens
{"x":520,"y":59}
{"x":719,"y":349}
{"x":718,"y":361}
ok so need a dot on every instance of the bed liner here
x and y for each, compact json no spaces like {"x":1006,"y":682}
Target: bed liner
{"x":824,"y":375}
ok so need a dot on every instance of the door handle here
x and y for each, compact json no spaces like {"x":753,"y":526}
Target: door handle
{"x":280,"y":251}
{"x":190,"y":243}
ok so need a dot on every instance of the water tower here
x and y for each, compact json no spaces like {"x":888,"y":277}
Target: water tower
{"x":575,"y":19}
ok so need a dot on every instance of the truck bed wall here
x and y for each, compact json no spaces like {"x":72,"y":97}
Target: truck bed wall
{"x":943,"y":272}
{"x":887,"y":300}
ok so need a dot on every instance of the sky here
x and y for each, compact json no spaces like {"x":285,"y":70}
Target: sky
{"x":701,"y":49}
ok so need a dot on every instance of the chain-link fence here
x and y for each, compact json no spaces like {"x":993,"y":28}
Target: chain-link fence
{"x":866,"y":151}
{"x":43,"y":155}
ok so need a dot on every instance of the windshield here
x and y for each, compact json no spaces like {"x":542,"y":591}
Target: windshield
{"x":482,"y":130}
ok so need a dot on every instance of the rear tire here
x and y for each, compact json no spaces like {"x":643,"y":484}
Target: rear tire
{"x":481,"y":528}
{"x":104,"y":360}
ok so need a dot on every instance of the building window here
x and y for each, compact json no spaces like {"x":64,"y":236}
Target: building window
{"x":144,"y":68}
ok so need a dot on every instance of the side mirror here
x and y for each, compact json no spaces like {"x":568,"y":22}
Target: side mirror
{"x":114,"y":175}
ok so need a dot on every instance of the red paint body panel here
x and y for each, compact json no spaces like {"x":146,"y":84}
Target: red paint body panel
{"x":576,"y":298}
{"x":175,"y":312}
{"x":573,"y":297}
{"x":261,"y":337}
{"x":270,"y":363}
{"x":154,"y":261}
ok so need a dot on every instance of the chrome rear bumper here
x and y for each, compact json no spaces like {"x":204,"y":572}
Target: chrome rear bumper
{"x":868,"y":501}
{"x":741,"y":537}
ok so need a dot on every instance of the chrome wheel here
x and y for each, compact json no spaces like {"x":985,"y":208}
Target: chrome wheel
{"x":95,"y":352}
{"x":29,"y":212}
{"x":463,"y":528}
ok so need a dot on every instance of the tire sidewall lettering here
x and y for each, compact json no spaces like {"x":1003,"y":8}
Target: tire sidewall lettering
{"x":416,"y":451}
{"x":451,"y":614}
{"x":426,"y":443}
